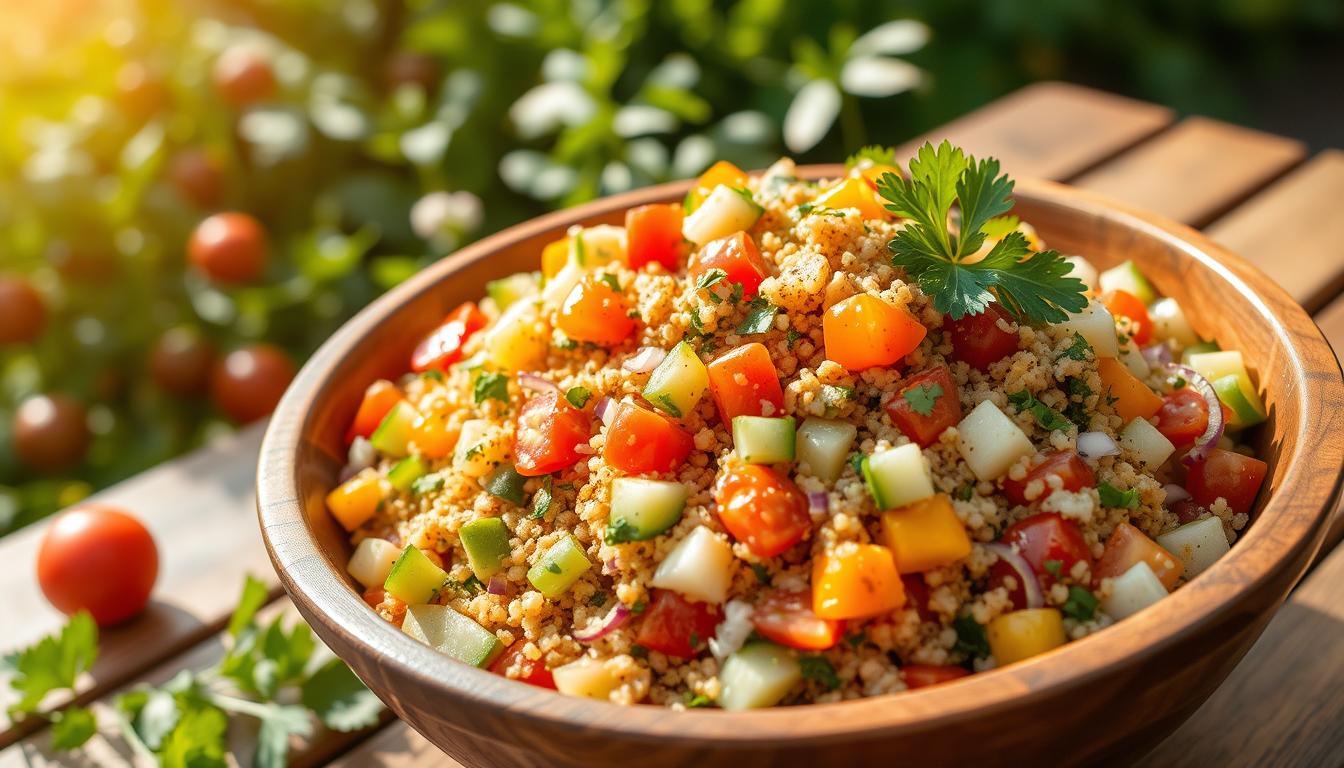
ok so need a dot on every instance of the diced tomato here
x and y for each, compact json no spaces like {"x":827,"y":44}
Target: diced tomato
{"x":1228,"y":475}
{"x":1073,"y":472}
{"x":907,"y":414}
{"x":1125,"y":304}
{"x":744,"y":382}
{"x":864,"y":331}
{"x":378,"y":400}
{"x":787,"y":619}
{"x":1183,"y":417}
{"x":676,"y":626}
{"x":640,"y":441}
{"x":595,"y":312}
{"x":443,"y":346}
{"x":549,"y":433}
{"x":653,"y":234}
{"x":374,"y":596}
{"x":924,"y":675}
{"x":1045,"y":539}
{"x":761,"y":508}
{"x":917,"y":595}
{"x":530,"y":671}
{"x":978,"y":339}
{"x":1126,"y":547}
{"x":737,"y":256}
{"x":1186,"y":511}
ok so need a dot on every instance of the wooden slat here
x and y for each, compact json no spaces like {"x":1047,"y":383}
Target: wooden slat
{"x":396,"y":746}
{"x":1331,"y":322}
{"x":1195,"y":171}
{"x":1294,"y":231}
{"x":201,"y":510}
{"x":1051,"y":130}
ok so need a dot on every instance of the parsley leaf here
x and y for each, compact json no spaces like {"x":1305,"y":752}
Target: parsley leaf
{"x":832,"y":395}
{"x":612,"y":281}
{"x":971,"y":637}
{"x":621,"y":532}
{"x":762,"y":573}
{"x":339,"y":699}
{"x":1078,"y":349}
{"x":760,"y":318}
{"x":598,"y":599}
{"x":53,"y":663}
{"x":964,"y":492}
{"x":578,"y":396}
{"x":792,"y":338}
{"x":736,"y":295}
{"x":1114,"y":497}
{"x":877,"y":155}
{"x":426,"y":484}
{"x":698,"y":700}
{"x":490,"y":386}
{"x":1046,"y":417}
{"x":999,"y":226}
{"x":856,"y":461}
{"x":819,"y":668}
{"x":1054,"y":567}
{"x":1032,"y":286}
{"x":541,"y":500}
{"x":923,"y":398}
{"x":709,"y":279}
{"x":1081,"y":605}
{"x":71,"y":728}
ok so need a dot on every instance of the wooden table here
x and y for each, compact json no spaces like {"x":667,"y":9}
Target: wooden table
{"x":1260,"y":195}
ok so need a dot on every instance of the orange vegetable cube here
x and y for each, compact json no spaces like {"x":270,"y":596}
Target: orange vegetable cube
{"x":855,"y":581}
{"x":864,"y":331}
{"x":854,"y":193}
{"x":1127,"y":546}
{"x":378,"y":400}
{"x":554,"y":256}
{"x":1022,"y":634}
{"x":925,"y":535}
{"x":434,"y":435}
{"x":722,"y":172}
{"x":595,"y":312}
{"x":871,"y":172}
{"x":744,"y":382}
{"x":1133,"y":398}
{"x":355,"y":501}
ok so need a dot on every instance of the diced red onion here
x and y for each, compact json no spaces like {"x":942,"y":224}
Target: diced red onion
{"x":610,"y":567}
{"x":605,"y":410}
{"x":1175,"y":493}
{"x":1031,"y":587}
{"x":1207,"y":441}
{"x":818,"y":504}
{"x":1094,"y":445}
{"x":498,"y":585}
{"x":645,"y":360}
{"x":1157,"y":355}
{"x":616,"y":618}
{"x":536,"y":383}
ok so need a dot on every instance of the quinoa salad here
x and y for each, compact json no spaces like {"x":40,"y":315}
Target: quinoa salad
{"x":790,"y":442}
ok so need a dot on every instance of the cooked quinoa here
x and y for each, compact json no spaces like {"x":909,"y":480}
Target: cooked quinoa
{"x":474,"y":418}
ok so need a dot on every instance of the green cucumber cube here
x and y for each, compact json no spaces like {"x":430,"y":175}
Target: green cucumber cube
{"x":758,"y":675}
{"x":724,"y":212}
{"x":504,"y":482}
{"x":507,"y":290}
{"x":824,"y":445}
{"x":1198,"y":349}
{"x":406,"y":472}
{"x":487,"y":544}
{"x":764,"y":439}
{"x":559,"y":567}
{"x":642,"y":509}
{"x":897,"y":476}
{"x":1236,"y":392}
{"x":678,"y":383}
{"x":1127,"y":277}
{"x":393,"y":435}
{"x":452,"y":634}
{"x":414,"y":578}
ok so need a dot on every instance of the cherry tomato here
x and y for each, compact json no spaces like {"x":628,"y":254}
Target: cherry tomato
{"x":737,"y":256}
{"x":549,"y":433}
{"x":864,"y":331}
{"x":100,"y":559}
{"x":249,"y":382}
{"x":198,"y":176}
{"x":443,"y":346}
{"x":924,"y":675}
{"x":1046,"y":539}
{"x":25,"y":313}
{"x":676,"y":626}
{"x":410,"y":68}
{"x":229,"y":248}
{"x":907,"y":408}
{"x":51,"y":432}
{"x":595,"y":312}
{"x":180,"y":361}
{"x":532,"y":672}
{"x":761,"y":508}
{"x":978,"y":339}
{"x":1228,"y":475}
{"x":917,"y":595}
{"x":653,"y":234}
{"x":378,"y":400}
{"x":243,"y":76}
{"x":744,"y":382}
{"x":1125,"y":304}
{"x":1183,"y":417}
{"x":640,"y":441}
{"x":1073,"y":472}
{"x":787,"y":619}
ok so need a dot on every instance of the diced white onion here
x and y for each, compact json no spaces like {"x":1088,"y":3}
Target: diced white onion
{"x":1094,"y":445}
{"x":645,"y":360}
{"x":733,"y":631}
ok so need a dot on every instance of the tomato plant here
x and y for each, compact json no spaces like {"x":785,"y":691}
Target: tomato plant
{"x":676,"y":626}
{"x":761,"y":508}
{"x":229,"y":248}
{"x":198,"y":176}
{"x":550,"y":430}
{"x":100,"y":559}
{"x":243,"y":76}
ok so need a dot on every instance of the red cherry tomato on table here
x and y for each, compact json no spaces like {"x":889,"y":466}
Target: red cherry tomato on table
{"x":1073,"y":472}
{"x":100,"y":559}
{"x":530,"y":671}
{"x":229,"y":248}
{"x":549,"y":433}
{"x":1228,"y":475}
{"x":1125,"y":304}
{"x":787,"y":619}
{"x":25,"y":313}
{"x":676,"y":626}
{"x":924,"y":675}
{"x":761,"y":508}
{"x":640,"y":441}
{"x":51,"y":432}
{"x":979,"y":341}
{"x":443,"y":346}
{"x":653,"y":234}
{"x":242,"y":76}
{"x":924,"y":428}
{"x":180,"y":361}
{"x":249,"y":382}
{"x":737,"y":257}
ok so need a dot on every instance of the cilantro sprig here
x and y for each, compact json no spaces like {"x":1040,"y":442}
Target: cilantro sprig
{"x":1033,"y":286}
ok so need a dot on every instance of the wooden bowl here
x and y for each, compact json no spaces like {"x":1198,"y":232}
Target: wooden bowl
{"x":1111,"y":696}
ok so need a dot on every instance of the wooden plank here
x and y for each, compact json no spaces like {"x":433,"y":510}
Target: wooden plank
{"x":1331,"y":322}
{"x":1195,"y":171}
{"x":1050,"y":130}
{"x":1293,"y":230}
{"x":201,"y":510}
{"x":396,"y":746}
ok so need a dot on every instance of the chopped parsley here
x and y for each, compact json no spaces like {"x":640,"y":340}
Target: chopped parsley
{"x":762,"y":573}
{"x":1078,"y":349}
{"x":664,"y":401}
{"x":1078,"y":388}
{"x":1114,"y":497}
{"x":759,"y":318}
{"x":1081,"y":605}
{"x":964,"y":492}
{"x":805,"y":209}
{"x":698,"y":700}
{"x":474,"y":451}
{"x":639,"y":651}
{"x":833,"y":395}
{"x":505,"y":483}
{"x":856,"y":461}
{"x":638,"y":607}
{"x":1054,"y":567}
{"x":696,"y":325}
{"x":792,"y":338}
{"x":426,"y":484}
{"x":598,"y":599}
{"x":971,"y":637}
{"x":1046,"y":417}
{"x":710,"y":278}
{"x":541,"y":500}
{"x":736,"y":296}
{"x":578,"y":396}
{"x":621,"y":532}
{"x":553,"y":567}
{"x":612,"y":281}
{"x":490,"y":386}
{"x":432,"y":375}
{"x":923,"y":398}
{"x":819,"y":668}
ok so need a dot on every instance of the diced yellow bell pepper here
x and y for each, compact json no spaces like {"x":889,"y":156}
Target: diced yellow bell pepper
{"x":354,"y":502}
{"x":553,"y":257}
{"x":874,"y":171}
{"x":924,"y":535}
{"x":1133,"y":398}
{"x":854,"y":581}
{"x":1022,"y":634}
{"x":722,"y":172}
{"x":853,"y":193}
{"x":520,"y":338}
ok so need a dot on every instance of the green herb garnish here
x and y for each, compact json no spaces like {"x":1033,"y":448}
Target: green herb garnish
{"x":578,"y":396}
{"x":1078,"y":349}
{"x":923,"y":398}
{"x":760,"y":318}
{"x":1114,"y":497}
{"x":541,"y":500}
{"x":709,"y":279}
{"x":621,"y":532}
{"x":1046,"y":417}
{"x":971,"y":637}
{"x":698,"y":700}
{"x":505,"y":483}
{"x":612,"y":281}
{"x":820,"y":669}
{"x":1054,"y":567}
{"x":1081,"y":605}
{"x":834,"y":394}
{"x":875,"y":154}
{"x":426,"y":484}
{"x":762,"y":573}
{"x":792,"y":338}
{"x":490,"y":386}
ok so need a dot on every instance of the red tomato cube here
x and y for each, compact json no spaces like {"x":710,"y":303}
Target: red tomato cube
{"x":737,"y":256}
{"x":653,"y":234}
{"x":926,"y":406}
{"x":640,"y":441}
{"x":1228,"y":475}
{"x":744,"y":382}
{"x":676,"y":626}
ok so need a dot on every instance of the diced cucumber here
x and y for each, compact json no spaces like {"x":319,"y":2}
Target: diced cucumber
{"x":487,"y":544}
{"x":759,"y":675}
{"x":1097,"y":327}
{"x":823,"y":445}
{"x":394,"y":433}
{"x":1127,"y":277}
{"x":372,"y":562}
{"x":414,"y":579}
{"x":1082,"y":269}
{"x":764,"y":439}
{"x":699,"y":567}
{"x":678,"y":383}
{"x":406,"y":472}
{"x":1236,"y":393}
{"x":1149,"y":446}
{"x":897,"y":476}
{"x":504,"y":482}
{"x":724,"y":212}
{"x":507,"y":290}
{"x":642,"y":509}
{"x":592,"y":247}
{"x":1198,"y":349}
{"x":559,"y":567}
{"x":1198,"y":544}
{"x":452,"y":634}
{"x":1134,"y":361}
{"x":990,"y":442}
{"x":1169,"y":322}
{"x":1132,"y":591}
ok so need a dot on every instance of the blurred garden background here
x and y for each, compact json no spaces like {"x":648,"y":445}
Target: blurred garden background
{"x":348,"y":143}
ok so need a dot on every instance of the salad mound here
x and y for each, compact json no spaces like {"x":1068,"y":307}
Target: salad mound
{"x":790,"y":442}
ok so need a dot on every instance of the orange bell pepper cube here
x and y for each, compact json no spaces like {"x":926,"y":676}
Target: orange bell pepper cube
{"x":925,"y":535}
{"x":434,"y":435}
{"x":355,"y":501}
{"x":1127,"y":546}
{"x":378,"y":400}
{"x":864,"y":331}
{"x":854,"y":193}
{"x":595,"y":312}
{"x":722,"y":172}
{"x":856,"y":581}
{"x":554,"y":256}
{"x":871,"y":172}
{"x":744,"y":382}
{"x":1133,"y":398}
{"x":653,"y":234}
{"x":640,"y":441}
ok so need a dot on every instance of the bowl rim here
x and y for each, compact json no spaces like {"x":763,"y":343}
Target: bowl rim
{"x":1264,"y":552}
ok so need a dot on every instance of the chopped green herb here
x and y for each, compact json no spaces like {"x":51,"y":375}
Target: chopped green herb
{"x":638,"y":607}
{"x":598,"y":599}
{"x":698,"y":700}
{"x":1178,"y":382}
{"x":736,"y":296}
{"x":1054,"y":567}
{"x":709,"y":279}
{"x":856,"y":639}
{"x":578,"y":396}
{"x":923,"y":398}
{"x":1046,"y":417}
{"x":621,"y":532}
{"x":805,"y":209}
{"x":664,"y":401}
{"x":612,"y":281}
{"x":833,"y":395}
{"x":426,"y":484}
{"x":432,"y":375}
{"x":541,"y":500}
{"x":553,"y":567}
{"x":964,"y":492}
{"x":762,"y":573}
{"x":639,"y":651}
{"x":971,"y":637}
{"x":1114,"y":497}
{"x":856,"y":461}
{"x":1078,"y":349}
{"x":696,"y":324}
{"x":792,"y":338}
{"x":1081,"y":605}
{"x":505,"y":483}
{"x":708,"y":346}
{"x":1078,"y":387}
{"x":474,"y":451}
{"x":695,"y":639}
{"x":490,"y":386}
{"x":819,"y":668}
{"x":760,"y":318}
